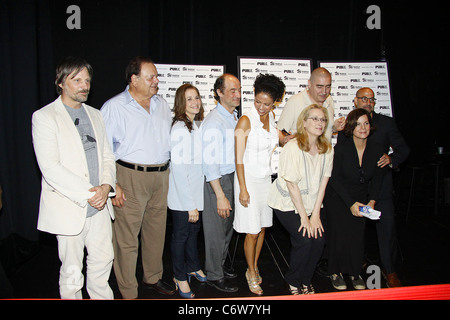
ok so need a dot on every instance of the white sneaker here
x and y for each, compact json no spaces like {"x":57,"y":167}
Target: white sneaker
{"x":338,"y":282}
{"x":358,"y":283}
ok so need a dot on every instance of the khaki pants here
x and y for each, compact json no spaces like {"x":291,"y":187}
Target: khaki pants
{"x":96,"y":238}
{"x":144,"y":213}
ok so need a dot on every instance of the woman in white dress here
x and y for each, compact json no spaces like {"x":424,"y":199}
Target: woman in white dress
{"x":255,"y":138}
{"x":297,"y":194}
{"x":185,"y":196}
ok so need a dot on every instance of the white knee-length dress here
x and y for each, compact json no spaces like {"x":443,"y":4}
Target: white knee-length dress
{"x":260,"y":144}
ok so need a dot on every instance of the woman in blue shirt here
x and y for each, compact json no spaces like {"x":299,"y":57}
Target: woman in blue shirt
{"x":185,"y":197}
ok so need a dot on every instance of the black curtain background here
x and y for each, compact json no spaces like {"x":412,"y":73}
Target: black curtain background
{"x":26,"y":59}
{"x":34,"y":37}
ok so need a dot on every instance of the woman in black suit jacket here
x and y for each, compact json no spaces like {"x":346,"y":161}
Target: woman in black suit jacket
{"x":355,"y":181}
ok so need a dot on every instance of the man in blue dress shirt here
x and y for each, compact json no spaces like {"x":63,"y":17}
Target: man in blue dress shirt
{"x":138,"y":123}
{"x":218,"y":168}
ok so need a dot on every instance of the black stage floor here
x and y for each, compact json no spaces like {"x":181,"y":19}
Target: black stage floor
{"x":423,"y":241}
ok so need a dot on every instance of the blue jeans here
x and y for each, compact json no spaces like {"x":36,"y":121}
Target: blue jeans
{"x":184,"y":245}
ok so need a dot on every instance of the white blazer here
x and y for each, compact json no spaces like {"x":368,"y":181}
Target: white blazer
{"x":65,"y":175}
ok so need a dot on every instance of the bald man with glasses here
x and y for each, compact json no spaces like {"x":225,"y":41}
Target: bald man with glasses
{"x":388,"y":135}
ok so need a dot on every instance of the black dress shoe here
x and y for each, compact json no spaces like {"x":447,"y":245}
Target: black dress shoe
{"x":229,"y":273}
{"x":161,"y":287}
{"x":222,"y":285}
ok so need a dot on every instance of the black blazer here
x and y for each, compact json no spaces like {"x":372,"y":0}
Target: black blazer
{"x":387,"y":135}
{"x":351,"y":182}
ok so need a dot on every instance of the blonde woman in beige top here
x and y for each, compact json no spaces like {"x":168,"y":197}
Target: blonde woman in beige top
{"x":296,"y":195}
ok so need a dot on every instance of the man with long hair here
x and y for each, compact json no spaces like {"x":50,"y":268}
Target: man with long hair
{"x":78,"y":175}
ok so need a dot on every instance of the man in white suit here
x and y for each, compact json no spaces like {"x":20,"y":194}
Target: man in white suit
{"x":78,"y":176}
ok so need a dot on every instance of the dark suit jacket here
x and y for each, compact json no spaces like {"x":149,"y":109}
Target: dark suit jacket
{"x":387,"y":135}
{"x":345,"y":181}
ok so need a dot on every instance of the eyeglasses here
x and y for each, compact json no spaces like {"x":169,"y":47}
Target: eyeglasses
{"x":365,"y":99}
{"x":316,"y":119}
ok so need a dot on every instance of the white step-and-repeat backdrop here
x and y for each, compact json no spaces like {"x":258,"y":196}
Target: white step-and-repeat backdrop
{"x":295,"y":74}
{"x":347,"y":78}
{"x":171,"y":76}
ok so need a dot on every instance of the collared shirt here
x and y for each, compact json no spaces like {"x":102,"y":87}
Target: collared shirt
{"x":295,"y":105}
{"x":186,"y":178}
{"x":135,"y":135}
{"x":218,"y":143}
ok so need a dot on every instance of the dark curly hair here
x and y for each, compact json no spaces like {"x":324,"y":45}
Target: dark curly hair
{"x":270,"y":84}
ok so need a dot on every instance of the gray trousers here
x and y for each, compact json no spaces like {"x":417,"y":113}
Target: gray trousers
{"x":217,"y":231}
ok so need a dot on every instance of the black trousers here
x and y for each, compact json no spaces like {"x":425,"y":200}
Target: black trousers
{"x":386,"y":232}
{"x":305,"y":252}
{"x":385,"y":227}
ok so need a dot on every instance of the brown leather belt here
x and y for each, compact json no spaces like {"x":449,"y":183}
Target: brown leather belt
{"x":143,"y":168}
